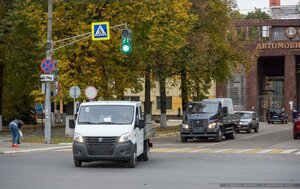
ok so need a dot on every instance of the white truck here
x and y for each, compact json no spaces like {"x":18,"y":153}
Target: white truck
{"x":110,"y":131}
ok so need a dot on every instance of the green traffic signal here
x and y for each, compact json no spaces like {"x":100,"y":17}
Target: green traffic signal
{"x":126,"y":41}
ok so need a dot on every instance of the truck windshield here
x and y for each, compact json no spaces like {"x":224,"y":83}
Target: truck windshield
{"x":106,"y":114}
{"x":203,"y":108}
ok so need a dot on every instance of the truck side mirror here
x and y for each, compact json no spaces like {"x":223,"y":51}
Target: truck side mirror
{"x":225,"y":111}
{"x":72,"y":123}
{"x":141,"y":123}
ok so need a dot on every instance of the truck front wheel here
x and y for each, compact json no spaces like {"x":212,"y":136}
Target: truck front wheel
{"x":183,"y":139}
{"x":77,"y":163}
{"x":218,"y":137}
{"x":132,"y":161}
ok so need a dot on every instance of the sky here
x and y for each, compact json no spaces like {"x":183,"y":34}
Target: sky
{"x":249,"y":5}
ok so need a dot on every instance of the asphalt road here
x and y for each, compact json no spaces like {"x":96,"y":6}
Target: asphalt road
{"x":184,"y":168}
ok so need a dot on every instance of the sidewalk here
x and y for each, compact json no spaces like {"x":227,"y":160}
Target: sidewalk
{"x":5,"y":142}
{"x":5,"y":147}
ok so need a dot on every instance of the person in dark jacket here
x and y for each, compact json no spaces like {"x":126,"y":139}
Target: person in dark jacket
{"x":14,"y":127}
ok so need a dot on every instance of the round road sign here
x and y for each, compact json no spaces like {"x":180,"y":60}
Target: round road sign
{"x":74,"y":92}
{"x":90,"y":92}
{"x":47,"y":66}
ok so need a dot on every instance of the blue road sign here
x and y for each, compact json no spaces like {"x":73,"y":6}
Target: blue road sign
{"x":39,"y":108}
{"x":100,"y":31}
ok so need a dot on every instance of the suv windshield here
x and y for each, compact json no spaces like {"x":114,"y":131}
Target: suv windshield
{"x":106,"y":114}
{"x":245,"y":115}
{"x":195,"y":108}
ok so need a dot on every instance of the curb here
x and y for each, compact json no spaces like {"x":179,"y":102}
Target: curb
{"x":35,"y":150}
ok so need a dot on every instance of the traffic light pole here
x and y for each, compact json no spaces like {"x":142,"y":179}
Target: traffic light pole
{"x":47,"y":136}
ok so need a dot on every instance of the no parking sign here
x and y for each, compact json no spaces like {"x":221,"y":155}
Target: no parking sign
{"x":47,"y":66}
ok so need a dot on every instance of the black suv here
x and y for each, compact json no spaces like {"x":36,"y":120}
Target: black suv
{"x":277,"y":115}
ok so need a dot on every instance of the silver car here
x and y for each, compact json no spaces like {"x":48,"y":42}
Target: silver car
{"x":249,"y":120}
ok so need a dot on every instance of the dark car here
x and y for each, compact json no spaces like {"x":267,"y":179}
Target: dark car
{"x":296,"y":128}
{"x":277,"y":115}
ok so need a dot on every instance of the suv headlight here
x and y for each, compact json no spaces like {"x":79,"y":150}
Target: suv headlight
{"x":212,"y":125}
{"x":78,"y":137}
{"x":124,"y":137}
{"x":185,"y":126}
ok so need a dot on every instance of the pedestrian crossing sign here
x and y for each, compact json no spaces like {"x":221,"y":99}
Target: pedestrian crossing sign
{"x":100,"y":31}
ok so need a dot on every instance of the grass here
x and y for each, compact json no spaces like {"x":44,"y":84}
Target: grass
{"x":32,"y":134}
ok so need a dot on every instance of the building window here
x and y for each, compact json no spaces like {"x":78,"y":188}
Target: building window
{"x":132,"y":98}
{"x":169,"y":102}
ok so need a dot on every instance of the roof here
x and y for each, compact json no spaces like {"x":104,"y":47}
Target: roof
{"x":128,"y":103}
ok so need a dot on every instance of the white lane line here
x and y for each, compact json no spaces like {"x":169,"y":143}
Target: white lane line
{"x":288,"y":151}
{"x":298,"y":153}
{"x":178,"y":150}
{"x":220,"y":151}
{"x":265,"y":151}
{"x":199,"y":150}
{"x":243,"y":151}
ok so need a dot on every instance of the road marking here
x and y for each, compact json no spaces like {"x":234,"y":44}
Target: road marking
{"x":288,"y":151}
{"x":243,"y":151}
{"x":189,"y":150}
{"x":180,"y":150}
{"x":265,"y":151}
{"x":199,"y":150}
{"x":220,"y":151}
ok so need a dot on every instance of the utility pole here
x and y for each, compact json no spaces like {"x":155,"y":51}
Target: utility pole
{"x":48,"y":83}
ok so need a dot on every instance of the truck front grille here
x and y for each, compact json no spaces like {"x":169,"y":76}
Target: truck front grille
{"x":199,"y":123}
{"x":100,"y":145}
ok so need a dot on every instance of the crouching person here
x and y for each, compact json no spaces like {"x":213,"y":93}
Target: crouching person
{"x":14,"y":127}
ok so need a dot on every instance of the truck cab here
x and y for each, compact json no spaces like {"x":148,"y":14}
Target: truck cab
{"x":110,"y":131}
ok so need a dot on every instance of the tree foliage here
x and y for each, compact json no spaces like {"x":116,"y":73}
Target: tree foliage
{"x":169,"y":37}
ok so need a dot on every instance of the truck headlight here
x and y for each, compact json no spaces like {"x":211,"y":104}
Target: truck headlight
{"x":212,"y":125}
{"x":78,"y":137}
{"x":124,"y":137}
{"x":185,"y":126}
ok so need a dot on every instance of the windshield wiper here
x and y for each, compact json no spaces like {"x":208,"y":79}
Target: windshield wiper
{"x":107,"y":122}
{"x":87,"y":122}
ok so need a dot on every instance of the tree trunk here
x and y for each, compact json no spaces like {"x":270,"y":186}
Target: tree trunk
{"x":148,"y":112}
{"x":163,"y":102}
{"x":184,"y":92}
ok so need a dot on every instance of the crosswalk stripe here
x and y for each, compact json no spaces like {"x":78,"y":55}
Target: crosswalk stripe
{"x":288,"y":151}
{"x":276,"y":151}
{"x":265,"y":151}
{"x":220,"y":151}
{"x":199,"y":150}
{"x":213,"y":150}
{"x":243,"y":151}
{"x":180,"y":150}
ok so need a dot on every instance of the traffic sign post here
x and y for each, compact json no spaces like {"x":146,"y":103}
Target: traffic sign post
{"x":74,"y":93}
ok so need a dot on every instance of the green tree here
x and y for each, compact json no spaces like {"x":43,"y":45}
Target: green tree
{"x":20,"y":58}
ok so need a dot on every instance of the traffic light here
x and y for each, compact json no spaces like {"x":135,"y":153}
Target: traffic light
{"x":126,"y":41}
